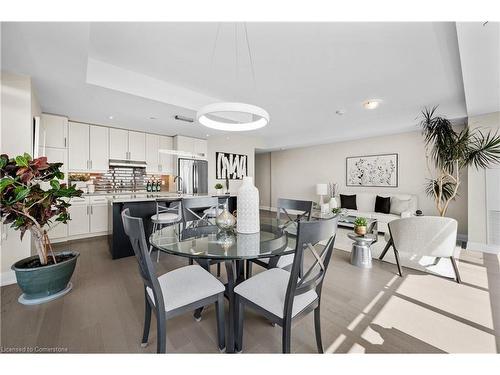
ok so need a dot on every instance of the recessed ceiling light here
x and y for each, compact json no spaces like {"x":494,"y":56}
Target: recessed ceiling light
{"x":208,"y":135}
{"x":111,"y":117}
{"x":371,"y":104}
{"x":153,"y":118}
{"x":340,"y":112}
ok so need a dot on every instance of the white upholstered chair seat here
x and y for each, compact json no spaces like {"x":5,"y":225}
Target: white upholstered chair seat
{"x":186,"y":285}
{"x":165,"y":217}
{"x":268,"y":290}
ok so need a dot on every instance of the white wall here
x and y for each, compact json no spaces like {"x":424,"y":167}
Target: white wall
{"x":477,"y":212}
{"x":295,"y":172}
{"x":233,"y":143}
{"x":17,"y":109}
{"x":263,"y":178}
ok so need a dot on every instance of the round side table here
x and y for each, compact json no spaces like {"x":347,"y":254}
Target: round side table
{"x":361,"y":254}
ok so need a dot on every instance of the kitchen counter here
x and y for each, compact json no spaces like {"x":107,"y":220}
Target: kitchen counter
{"x":143,"y":205}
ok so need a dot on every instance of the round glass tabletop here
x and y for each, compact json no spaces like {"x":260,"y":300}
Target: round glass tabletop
{"x":202,"y":239}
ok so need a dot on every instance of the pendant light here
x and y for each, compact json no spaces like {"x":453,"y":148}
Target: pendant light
{"x":208,"y":115}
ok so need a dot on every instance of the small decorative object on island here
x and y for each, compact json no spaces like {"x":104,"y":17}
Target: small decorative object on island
{"x":360,"y":226}
{"x":321,"y":190}
{"x":225,"y":220}
{"x":26,"y":206}
{"x":218,"y":188}
{"x":248,"y":207}
{"x":332,"y":192}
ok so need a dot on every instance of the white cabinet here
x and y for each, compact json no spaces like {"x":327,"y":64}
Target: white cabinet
{"x":127,"y":145}
{"x":118,"y":144}
{"x":136,"y":146}
{"x":79,"y":214}
{"x":79,"y":147}
{"x":194,"y":146}
{"x":58,"y":230}
{"x":166,"y":160}
{"x":98,"y":214}
{"x":89,"y":215}
{"x":152,"y":155}
{"x":98,"y":148}
{"x":200,"y":147}
{"x":88,"y":147}
{"x":53,"y":131}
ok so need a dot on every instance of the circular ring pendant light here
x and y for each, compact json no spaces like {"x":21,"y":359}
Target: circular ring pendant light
{"x":208,"y":115}
{"x":204,"y":114}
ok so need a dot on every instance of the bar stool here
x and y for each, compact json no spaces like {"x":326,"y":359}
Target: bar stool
{"x":165,"y":216}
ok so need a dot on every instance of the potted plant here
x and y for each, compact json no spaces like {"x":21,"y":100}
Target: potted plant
{"x":218,"y":188}
{"x":32,"y":199}
{"x":451,"y":152}
{"x":360,"y":226}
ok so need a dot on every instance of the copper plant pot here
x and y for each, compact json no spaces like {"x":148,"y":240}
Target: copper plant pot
{"x":360,"y":231}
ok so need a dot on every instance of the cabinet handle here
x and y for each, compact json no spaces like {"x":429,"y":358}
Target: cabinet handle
{"x":87,"y":210}
{"x":64,"y":142}
{"x":159,"y":167}
{"x":91,"y":210}
{"x":90,"y":164}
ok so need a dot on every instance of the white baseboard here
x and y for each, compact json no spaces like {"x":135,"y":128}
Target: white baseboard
{"x":7,"y":278}
{"x":485,"y":248}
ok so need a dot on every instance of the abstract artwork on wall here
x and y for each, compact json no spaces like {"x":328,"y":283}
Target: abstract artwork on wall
{"x":233,"y":166}
{"x":372,"y":170}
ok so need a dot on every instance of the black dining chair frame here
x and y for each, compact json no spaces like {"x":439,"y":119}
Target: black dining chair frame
{"x":309,"y":234}
{"x":134,"y":228}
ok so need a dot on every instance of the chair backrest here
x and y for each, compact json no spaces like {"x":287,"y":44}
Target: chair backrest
{"x":134,"y":229}
{"x":309,"y":234}
{"x":303,"y":210}
{"x":192,"y":208}
{"x":425,"y":235}
{"x":165,"y":205}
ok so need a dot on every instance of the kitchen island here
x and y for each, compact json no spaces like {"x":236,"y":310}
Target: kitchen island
{"x":144,"y":206}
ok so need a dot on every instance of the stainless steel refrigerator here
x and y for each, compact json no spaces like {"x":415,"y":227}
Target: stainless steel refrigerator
{"x":194,"y":176}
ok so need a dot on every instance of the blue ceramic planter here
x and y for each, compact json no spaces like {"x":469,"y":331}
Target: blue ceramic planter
{"x":44,"y":282}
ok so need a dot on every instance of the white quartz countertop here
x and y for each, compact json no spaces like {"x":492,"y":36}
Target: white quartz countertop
{"x":145,"y":197}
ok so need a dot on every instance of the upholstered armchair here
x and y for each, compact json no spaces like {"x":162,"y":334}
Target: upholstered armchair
{"x":423,"y":235}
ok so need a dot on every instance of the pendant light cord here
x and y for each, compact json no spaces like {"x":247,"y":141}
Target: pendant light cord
{"x":250,"y":56}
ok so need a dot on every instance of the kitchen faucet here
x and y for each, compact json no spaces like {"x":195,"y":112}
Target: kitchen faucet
{"x":179,"y":191}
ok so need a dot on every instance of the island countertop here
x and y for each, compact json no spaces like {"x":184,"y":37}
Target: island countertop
{"x":146,"y":197}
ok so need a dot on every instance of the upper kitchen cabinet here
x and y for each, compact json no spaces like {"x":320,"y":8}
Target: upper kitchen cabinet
{"x":152,"y":155}
{"x":88,"y":148}
{"x":195,"y":146}
{"x":54,"y":131}
{"x":166,"y":160}
{"x":78,"y":147}
{"x":136,"y":145}
{"x":118,"y":144}
{"x":127,"y":145}
{"x":98,"y":148}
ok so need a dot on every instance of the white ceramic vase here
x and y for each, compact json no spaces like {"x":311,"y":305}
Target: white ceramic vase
{"x":248,"y":207}
{"x":333,"y":203}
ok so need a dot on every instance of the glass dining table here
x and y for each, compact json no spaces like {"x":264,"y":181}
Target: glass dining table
{"x":204,"y":242}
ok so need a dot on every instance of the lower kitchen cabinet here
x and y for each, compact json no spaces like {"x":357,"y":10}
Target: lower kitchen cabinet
{"x":89,"y":216}
{"x":79,"y":214}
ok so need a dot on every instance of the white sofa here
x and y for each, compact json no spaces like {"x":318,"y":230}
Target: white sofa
{"x":365,"y":202}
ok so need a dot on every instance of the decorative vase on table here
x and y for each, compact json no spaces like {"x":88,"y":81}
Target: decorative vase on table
{"x":248,"y":207}
{"x":333,"y":203}
{"x":225,"y":220}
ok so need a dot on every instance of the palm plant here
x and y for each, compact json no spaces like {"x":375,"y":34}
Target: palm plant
{"x":451,"y":152}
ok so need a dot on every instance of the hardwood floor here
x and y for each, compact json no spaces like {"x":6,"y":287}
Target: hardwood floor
{"x":371,"y":311}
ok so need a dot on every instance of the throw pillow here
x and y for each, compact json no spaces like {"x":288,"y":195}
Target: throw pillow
{"x":348,"y":201}
{"x":383,"y":204}
{"x":398,"y":206}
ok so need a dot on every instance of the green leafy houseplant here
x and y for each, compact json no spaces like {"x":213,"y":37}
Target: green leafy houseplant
{"x":451,"y":152}
{"x":218,"y":186}
{"x":360,"y":222}
{"x":27,"y":206}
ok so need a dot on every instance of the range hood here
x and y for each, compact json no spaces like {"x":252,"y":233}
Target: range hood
{"x":127,"y":163}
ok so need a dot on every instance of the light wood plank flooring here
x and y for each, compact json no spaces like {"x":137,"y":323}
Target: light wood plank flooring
{"x":363,"y":311}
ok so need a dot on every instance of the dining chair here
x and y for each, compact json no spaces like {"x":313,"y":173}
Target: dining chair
{"x":433,"y":236}
{"x":196,"y":211}
{"x":176,"y":292}
{"x":165,"y":215}
{"x":302,"y":211}
{"x":283,"y":297}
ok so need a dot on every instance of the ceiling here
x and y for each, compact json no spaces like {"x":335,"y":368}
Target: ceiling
{"x":304,"y":73}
